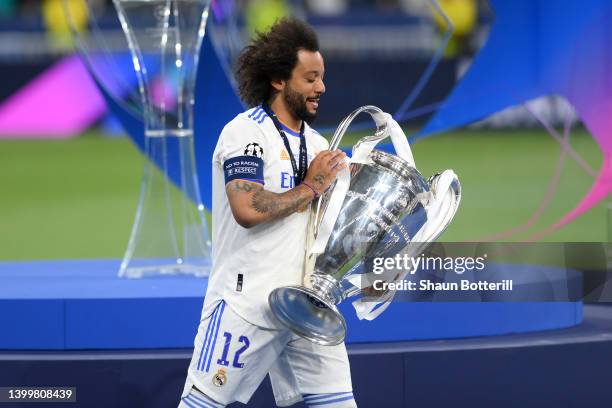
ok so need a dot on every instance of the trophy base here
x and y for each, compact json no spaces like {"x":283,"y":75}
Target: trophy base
{"x":308,"y":315}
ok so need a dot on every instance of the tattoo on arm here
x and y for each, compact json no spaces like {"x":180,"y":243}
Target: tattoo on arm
{"x":246,"y":186}
{"x":274,"y":205}
{"x":264,"y":202}
{"x":319,"y":180}
{"x":281,"y":205}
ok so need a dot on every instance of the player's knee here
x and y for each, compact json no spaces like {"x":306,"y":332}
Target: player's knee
{"x":196,"y":399}
{"x":334,"y":400}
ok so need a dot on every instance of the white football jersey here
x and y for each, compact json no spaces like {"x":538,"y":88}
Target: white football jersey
{"x":249,"y":263}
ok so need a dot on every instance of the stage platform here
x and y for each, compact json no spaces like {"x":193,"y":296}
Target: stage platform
{"x":560,"y":368}
{"x":83,"y":305}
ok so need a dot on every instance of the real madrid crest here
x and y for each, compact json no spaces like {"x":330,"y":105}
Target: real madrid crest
{"x":219,"y":379}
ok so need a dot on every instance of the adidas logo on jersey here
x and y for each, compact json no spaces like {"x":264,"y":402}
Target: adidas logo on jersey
{"x":284,"y":155}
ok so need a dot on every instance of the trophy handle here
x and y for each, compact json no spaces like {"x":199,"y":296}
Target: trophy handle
{"x":382,"y":131}
{"x":379,"y":118}
{"x":447,"y":190}
{"x":386,"y":126}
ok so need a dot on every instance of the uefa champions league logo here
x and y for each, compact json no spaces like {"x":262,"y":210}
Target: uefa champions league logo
{"x":253,"y":149}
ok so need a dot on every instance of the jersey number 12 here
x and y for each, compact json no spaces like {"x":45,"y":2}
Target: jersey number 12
{"x":228,"y":340}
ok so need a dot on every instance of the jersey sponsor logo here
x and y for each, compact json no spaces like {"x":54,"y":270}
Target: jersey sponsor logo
{"x":244,"y":167}
{"x":253,"y":149}
{"x":287,"y":180}
{"x":220,"y":378}
{"x":284,"y":155}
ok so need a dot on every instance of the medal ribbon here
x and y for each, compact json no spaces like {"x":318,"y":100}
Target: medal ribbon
{"x":298,"y":173}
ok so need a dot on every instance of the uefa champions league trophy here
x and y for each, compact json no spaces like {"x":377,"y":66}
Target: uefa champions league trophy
{"x":169,"y":235}
{"x":382,"y":208}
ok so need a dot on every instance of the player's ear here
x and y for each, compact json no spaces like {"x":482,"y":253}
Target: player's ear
{"x":278,"y":84}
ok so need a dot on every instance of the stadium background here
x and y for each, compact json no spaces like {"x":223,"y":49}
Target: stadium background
{"x":75,"y":196}
{"x":72,"y":195}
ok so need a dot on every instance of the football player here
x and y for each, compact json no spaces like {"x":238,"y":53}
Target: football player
{"x":268,"y":167}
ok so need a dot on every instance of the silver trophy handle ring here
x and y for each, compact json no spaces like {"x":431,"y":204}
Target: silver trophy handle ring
{"x":379,"y":118}
{"x":382,"y":131}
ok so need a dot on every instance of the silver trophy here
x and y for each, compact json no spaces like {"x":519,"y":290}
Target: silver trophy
{"x":147,"y":71}
{"x":170,"y":234}
{"x":384,"y":208}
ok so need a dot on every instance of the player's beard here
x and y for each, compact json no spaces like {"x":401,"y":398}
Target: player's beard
{"x":296,"y":102}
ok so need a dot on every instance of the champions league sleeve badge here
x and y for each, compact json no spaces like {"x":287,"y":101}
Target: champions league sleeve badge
{"x":254,"y":149}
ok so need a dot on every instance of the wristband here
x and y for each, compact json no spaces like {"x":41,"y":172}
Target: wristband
{"x":307,"y":184}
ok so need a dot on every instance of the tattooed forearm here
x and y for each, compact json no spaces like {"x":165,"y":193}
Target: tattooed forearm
{"x":251,"y":204}
{"x":264,"y":202}
{"x":281,"y":205}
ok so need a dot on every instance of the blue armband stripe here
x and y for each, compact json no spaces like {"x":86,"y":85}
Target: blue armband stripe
{"x":244,"y":168}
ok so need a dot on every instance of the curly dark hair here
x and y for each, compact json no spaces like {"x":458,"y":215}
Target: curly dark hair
{"x":272,"y":56}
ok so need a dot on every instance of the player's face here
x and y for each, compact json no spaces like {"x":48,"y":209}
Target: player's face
{"x":305,"y":87}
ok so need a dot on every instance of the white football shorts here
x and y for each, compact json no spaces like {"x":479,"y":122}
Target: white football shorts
{"x":232,"y":357}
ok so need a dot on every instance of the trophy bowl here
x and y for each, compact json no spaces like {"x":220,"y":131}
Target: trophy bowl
{"x":383,"y":212}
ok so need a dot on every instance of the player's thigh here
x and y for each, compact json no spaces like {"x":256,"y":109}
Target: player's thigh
{"x":231,"y":356}
{"x":315,"y":369}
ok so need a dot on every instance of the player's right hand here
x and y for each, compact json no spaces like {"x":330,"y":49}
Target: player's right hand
{"x":323,"y":169}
